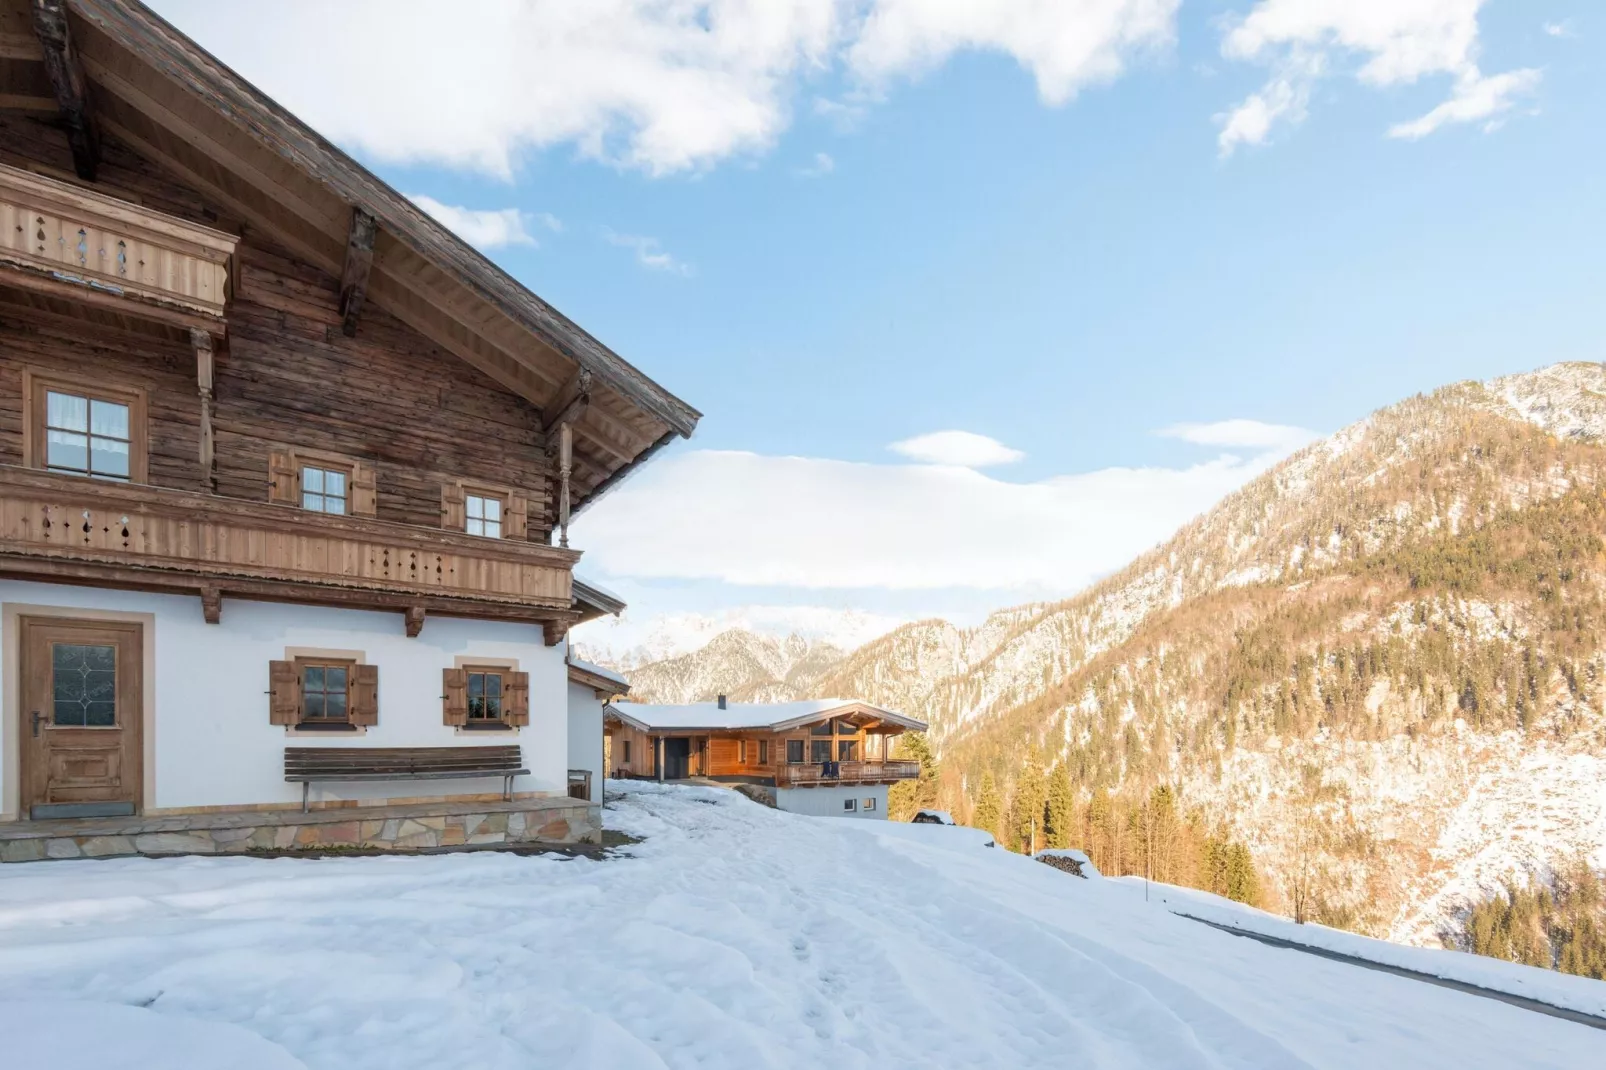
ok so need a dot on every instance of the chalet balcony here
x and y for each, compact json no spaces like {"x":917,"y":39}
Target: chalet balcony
{"x":815,"y":774}
{"x":67,"y":241}
{"x":72,"y":529}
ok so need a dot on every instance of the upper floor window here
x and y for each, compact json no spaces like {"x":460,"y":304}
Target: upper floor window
{"x":86,"y":435}
{"x":484,"y":515}
{"x":324,"y":490}
{"x":98,"y":433}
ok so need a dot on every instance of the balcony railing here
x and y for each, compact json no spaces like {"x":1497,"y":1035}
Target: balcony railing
{"x":70,"y":239}
{"x":818,"y":773}
{"x":72,"y":528}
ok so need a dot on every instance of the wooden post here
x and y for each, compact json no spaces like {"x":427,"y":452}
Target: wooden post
{"x":354,"y":276}
{"x":203,"y":380}
{"x":565,"y":467}
{"x":658,"y":756}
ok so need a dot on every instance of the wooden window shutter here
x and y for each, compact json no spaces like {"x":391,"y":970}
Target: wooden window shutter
{"x":452,"y":516}
{"x":284,"y":693}
{"x":454,"y":696}
{"x":284,"y":477}
{"x":516,"y":524}
{"x":365,"y":695}
{"x":364,"y":490}
{"x":518,"y":698}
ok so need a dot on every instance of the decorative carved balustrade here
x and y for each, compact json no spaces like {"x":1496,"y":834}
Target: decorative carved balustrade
{"x":66,"y":239}
{"x":69,"y":528}
{"x":815,"y":773}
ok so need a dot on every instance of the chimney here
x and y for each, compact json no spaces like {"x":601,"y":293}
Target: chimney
{"x":722,"y":702}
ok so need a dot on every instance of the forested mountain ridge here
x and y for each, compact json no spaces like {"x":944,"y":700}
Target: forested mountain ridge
{"x":1379,"y":664}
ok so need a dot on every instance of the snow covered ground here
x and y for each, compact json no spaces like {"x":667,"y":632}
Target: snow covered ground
{"x":735,"y":936}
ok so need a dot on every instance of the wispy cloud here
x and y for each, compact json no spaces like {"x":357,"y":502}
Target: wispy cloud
{"x":1396,"y":43}
{"x":1244,"y":434}
{"x":485,"y":228}
{"x":822,"y":165}
{"x":964,"y":449}
{"x":1564,"y":28}
{"x":649,"y":253}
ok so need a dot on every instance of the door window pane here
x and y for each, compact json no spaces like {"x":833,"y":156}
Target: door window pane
{"x":86,"y":435}
{"x":83,"y":685}
{"x":847,"y":750}
{"x":794,"y":752}
{"x":820,"y":751}
{"x":323,"y":490}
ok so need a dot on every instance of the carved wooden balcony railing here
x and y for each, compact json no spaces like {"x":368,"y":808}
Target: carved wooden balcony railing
{"x":69,"y":241}
{"x":73,"y":529}
{"x":815,"y":773}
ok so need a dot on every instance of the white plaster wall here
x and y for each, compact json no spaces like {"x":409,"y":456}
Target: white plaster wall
{"x":213,"y":743}
{"x":827,"y":801}
{"x":585,"y":734}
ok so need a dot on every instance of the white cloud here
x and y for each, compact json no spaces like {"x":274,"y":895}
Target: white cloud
{"x":1398,"y":42}
{"x":748,"y":519}
{"x":649,"y":254}
{"x":1564,"y":28}
{"x":655,"y":85}
{"x":1065,"y":46}
{"x":822,"y":166}
{"x":964,"y":449}
{"x":1246,"y":434}
{"x":1475,"y":98}
{"x":483,"y":228}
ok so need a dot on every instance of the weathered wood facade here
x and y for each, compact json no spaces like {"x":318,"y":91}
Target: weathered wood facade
{"x":261,"y":297}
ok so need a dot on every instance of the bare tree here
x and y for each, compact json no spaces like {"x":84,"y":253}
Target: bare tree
{"x":1312,"y":833}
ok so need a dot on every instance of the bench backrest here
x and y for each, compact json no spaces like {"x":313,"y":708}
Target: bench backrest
{"x":344,"y":761}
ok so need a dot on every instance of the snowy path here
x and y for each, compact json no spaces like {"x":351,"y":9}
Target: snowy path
{"x":736,"y":937}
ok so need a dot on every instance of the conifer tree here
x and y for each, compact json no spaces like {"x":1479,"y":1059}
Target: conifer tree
{"x":986,"y":813}
{"x":1026,"y":808}
{"x":908,"y":797}
{"x":1061,"y":807}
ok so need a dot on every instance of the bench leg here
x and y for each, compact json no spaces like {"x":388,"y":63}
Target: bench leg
{"x":306,"y":788}
{"x":507,"y":789}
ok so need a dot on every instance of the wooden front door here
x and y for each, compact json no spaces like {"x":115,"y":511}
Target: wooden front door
{"x":81,"y":718}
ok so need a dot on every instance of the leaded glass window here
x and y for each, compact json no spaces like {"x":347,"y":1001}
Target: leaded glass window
{"x":325,"y":691}
{"x":484,"y":696}
{"x":84,"y":685}
{"x":323,"y":490}
{"x":87,"y":436}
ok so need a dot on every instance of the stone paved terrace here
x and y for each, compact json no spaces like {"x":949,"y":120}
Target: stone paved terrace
{"x":407,"y":827}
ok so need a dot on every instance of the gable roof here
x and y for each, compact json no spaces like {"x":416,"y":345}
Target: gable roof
{"x":603,"y":681}
{"x":162,"y":95}
{"x":750,"y":716}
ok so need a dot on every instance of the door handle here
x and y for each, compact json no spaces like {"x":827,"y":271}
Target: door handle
{"x":37,"y":717}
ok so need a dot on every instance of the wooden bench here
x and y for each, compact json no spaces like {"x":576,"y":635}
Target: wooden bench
{"x":310,"y":764}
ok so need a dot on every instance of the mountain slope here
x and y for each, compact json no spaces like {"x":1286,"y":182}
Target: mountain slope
{"x":1411,"y":609}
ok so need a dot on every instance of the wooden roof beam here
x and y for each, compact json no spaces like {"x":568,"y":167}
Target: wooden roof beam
{"x":570,"y":402}
{"x":354,"y":277}
{"x":70,"y":83}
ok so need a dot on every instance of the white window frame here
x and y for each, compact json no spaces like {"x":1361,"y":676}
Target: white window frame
{"x":850,"y":806}
{"x":868,"y":806}
{"x":485,"y":525}
{"x":324,"y":471}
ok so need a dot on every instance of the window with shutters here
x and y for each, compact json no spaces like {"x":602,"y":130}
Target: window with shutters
{"x":88,"y":431}
{"x":485,"y":697}
{"x":487,"y":511}
{"x":322,"y":482}
{"x":320,"y":694}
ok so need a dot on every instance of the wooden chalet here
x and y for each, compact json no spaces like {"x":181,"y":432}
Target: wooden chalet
{"x":285,"y":466}
{"x":820,"y":756}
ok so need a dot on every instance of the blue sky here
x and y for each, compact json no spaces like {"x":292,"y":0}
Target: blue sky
{"x":835,"y":225}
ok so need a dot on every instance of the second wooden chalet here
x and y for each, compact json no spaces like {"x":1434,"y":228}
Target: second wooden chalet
{"x":826,"y":757}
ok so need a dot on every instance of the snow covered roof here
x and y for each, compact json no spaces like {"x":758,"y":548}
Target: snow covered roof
{"x":595,"y":600}
{"x":595,"y":676}
{"x":774,"y":716}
